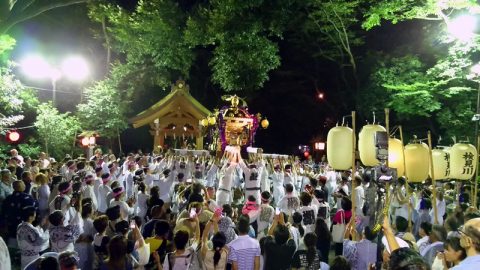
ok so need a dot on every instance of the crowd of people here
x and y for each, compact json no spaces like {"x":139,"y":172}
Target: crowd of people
{"x":195,"y":211}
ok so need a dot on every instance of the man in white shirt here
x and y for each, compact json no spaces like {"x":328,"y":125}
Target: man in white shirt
{"x":289,"y":203}
{"x":359,"y":193}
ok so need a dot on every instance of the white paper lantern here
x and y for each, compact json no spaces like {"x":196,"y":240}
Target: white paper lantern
{"x":441,"y":164}
{"x":395,"y":155}
{"x":463,"y":161}
{"x":417,"y":162}
{"x":366,"y":144}
{"x":340,"y":148}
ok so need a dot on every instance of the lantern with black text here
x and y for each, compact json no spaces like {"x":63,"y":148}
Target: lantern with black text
{"x":463,"y":161}
{"x":395,"y":155}
{"x":340,"y":148}
{"x":417,"y":162}
{"x":366,"y":144}
{"x":441,"y":164}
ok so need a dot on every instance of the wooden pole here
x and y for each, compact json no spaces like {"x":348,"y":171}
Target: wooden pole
{"x":387,"y":186}
{"x":408,"y":187}
{"x":476,"y":177}
{"x":354,"y":147}
{"x":434,"y":200}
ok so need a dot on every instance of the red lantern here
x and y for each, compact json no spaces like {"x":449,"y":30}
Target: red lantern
{"x":306,"y":154}
{"x":85,"y":141}
{"x":13,"y":136}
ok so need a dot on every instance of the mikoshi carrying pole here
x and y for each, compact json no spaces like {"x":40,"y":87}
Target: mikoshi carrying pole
{"x":406,"y":182}
{"x":434,"y":199}
{"x":354,"y":146}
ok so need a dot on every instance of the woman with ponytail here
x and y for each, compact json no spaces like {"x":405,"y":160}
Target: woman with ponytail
{"x":308,"y":259}
{"x":217,"y":257}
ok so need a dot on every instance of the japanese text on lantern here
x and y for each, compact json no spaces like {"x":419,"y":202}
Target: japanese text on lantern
{"x":447,"y":159}
{"x":468,"y":167}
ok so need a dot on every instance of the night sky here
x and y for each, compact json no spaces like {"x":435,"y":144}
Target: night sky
{"x":289,"y":99}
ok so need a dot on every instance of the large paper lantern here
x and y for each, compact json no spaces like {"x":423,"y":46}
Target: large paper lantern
{"x":463,"y":161}
{"x":340,"y":148}
{"x":441,"y":164}
{"x":417,"y":162}
{"x":366,"y":144}
{"x":395,"y":155}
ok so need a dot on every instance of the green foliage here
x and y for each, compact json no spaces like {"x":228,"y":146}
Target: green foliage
{"x":14,"y":99}
{"x":31,"y":148}
{"x":56,"y":130}
{"x":401,"y":10}
{"x":151,"y":38}
{"x":6,"y":46}
{"x":103,"y":110}
{"x":160,"y":40}
{"x":248,"y":68}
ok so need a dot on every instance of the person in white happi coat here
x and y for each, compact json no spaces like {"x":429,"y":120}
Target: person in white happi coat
{"x":277,"y":182}
{"x":165,"y":185}
{"x":128,"y":178}
{"x":88,"y":191}
{"x":289,"y":203}
{"x":126,"y":208}
{"x":152,"y":175}
{"x":252,"y":179}
{"x":63,"y":237}
{"x":211,"y":178}
{"x":289,"y":177}
{"x":264,"y":180}
{"x":265,"y":216}
{"x":31,"y":240}
{"x":62,"y":200}
{"x":224,"y":192}
{"x":103,"y":191}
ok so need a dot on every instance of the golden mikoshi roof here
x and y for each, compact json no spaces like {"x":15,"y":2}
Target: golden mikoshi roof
{"x":177,"y":106}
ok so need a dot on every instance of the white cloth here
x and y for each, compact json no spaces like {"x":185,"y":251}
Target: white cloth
{"x":224,"y":192}
{"x":141,"y":205}
{"x":125,"y":210}
{"x":359,"y":199}
{"x":289,"y":204}
{"x":88,"y":192}
{"x":103,"y":191}
{"x":252,"y":180}
{"x":441,"y":208}
{"x":43,"y":195}
{"x":4,"y":256}
{"x":309,"y":217}
{"x":277,"y":183}
{"x":264,"y":219}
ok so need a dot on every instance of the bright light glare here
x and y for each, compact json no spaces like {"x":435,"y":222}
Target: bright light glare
{"x":75,"y":68}
{"x":463,"y":27}
{"x":35,"y":67}
{"x":476,"y":70}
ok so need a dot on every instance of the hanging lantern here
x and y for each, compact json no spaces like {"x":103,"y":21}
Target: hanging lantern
{"x":441,"y":164}
{"x":366,"y":144}
{"x":13,"y":136}
{"x":417,"y":162}
{"x":204,"y":122}
{"x":395,"y":155}
{"x":264,"y":123}
{"x":85,"y":141}
{"x":463,"y":161}
{"x":340,"y":148}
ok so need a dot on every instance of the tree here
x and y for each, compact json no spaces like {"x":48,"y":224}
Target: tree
{"x":162,"y":40}
{"x":103,"y":110}
{"x":16,"y":11}
{"x":56,"y":130}
{"x":14,"y":97}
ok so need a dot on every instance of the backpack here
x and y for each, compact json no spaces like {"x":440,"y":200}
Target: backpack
{"x":193,"y":260}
